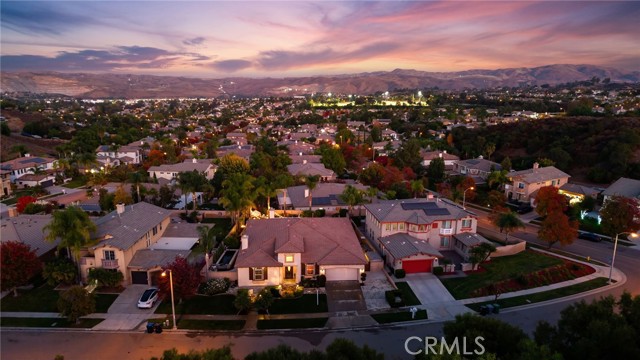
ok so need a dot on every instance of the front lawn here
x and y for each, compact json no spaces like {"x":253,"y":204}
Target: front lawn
{"x":48,"y":322}
{"x":210,"y":324}
{"x":408,"y":296}
{"x":201,"y":305}
{"x":40,"y":299}
{"x":545,"y":295}
{"x":292,"y":323}
{"x":399,"y":316}
{"x":104,"y":301}
{"x":304,"y":304}
{"x":500,"y":269}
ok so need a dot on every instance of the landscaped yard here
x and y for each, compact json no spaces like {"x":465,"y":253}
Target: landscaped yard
{"x":399,"y":316}
{"x":40,"y":299}
{"x":221,"y":228}
{"x":199,"y":305}
{"x":304,"y":304}
{"x":292,"y":323}
{"x":104,"y":301}
{"x":545,"y":295}
{"x":48,"y":322}
{"x":409,"y":298}
{"x":211,"y":324}
{"x":500,"y":269}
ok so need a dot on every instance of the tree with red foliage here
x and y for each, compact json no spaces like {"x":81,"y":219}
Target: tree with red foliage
{"x":444,"y":189}
{"x":392,"y":175}
{"x":620,"y":214}
{"x":23,"y":202}
{"x":19,"y":264}
{"x":186,"y":279}
{"x":467,"y":183}
{"x":557,"y":227}
{"x":372,"y":175}
{"x":408,"y":173}
{"x":155,"y":158}
{"x":549,"y":201}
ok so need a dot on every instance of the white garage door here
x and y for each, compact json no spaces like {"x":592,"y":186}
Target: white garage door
{"x":336,"y":274}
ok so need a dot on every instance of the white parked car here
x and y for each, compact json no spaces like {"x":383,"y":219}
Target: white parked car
{"x":148,"y":298}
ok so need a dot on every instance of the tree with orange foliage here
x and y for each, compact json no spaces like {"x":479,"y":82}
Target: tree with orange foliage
{"x":557,"y":228}
{"x":549,"y":201}
{"x":392,"y":175}
{"x":23,"y":202}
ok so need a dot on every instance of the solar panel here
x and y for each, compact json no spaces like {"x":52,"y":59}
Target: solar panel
{"x":419,"y":206}
{"x":321,"y":201}
{"x":436,"y":212}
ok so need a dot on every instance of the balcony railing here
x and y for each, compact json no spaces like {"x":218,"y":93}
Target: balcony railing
{"x":446,"y":231}
{"x":110,"y":264}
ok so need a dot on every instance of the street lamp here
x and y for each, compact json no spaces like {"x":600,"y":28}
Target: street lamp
{"x":173,"y":306}
{"x":464,"y":196}
{"x":615,"y":247}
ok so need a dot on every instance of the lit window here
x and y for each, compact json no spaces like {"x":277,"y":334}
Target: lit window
{"x":421,"y":228}
{"x":311,"y":269}
{"x":387,"y":227}
{"x":258,"y":274}
{"x":401,"y":226}
{"x":288,"y":258}
{"x":394,"y":226}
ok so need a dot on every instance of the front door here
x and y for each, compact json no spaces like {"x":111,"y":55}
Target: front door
{"x":289,"y":273}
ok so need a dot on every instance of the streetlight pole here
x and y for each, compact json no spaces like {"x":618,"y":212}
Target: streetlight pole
{"x":173,"y":304}
{"x":464,"y":197}
{"x":615,"y":247}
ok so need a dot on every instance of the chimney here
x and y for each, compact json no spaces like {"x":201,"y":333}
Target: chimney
{"x":120,"y":209}
{"x":429,"y":196}
{"x":536,"y":165}
{"x":304,"y":161}
{"x":445,"y":151}
{"x":272,"y":213}
{"x":27,"y":155}
{"x":13,"y":212}
{"x":440,"y":155}
{"x":480,"y":157}
{"x":244,"y":242}
{"x":306,"y":192}
{"x":195,"y":160}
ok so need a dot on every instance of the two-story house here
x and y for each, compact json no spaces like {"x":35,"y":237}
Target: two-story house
{"x":110,"y":155}
{"x":283,"y":251}
{"x":311,"y":169}
{"x":625,"y":187}
{"x":523,"y":185}
{"x":478,"y":169}
{"x":448,"y":159}
{"x":120,"y":234}
{"x":411,"y":233}
{"x":21,"y":166}
{"x":325,"y":196}
{"x":171,"y":171}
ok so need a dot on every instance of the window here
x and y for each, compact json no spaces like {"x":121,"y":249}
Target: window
{"x":310,"y":269}
{"x":401,"y":227}
{"x":258,"y":274}
{"x":387,"y":227}
{"x":421,"y":228}
{"x":109,"y":255}
{"x":444,"y":241}
{"x":288,"y":258}
{"x":520,"y":185}
{"x":394,"y":226}
{"x":553,"y":182}
{"x":466,"y":223}
{"x":155,"y":230}
{"x":446,"y":224}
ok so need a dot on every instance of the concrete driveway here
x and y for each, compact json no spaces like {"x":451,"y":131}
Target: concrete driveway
{"x":435,"y":297}
{"x":344,"y":296}
{"x":124,"y":314}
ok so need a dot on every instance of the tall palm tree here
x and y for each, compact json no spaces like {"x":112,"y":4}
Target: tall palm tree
{"x":352,"y":197}
{"x":238,"y":196}
{"x":417,"y":186}
{"x":282,"y":182}
{"x":508,"y":222}
{"x":372,"y":192}
{"x":136,"y":178}
{"x":73,"y":227}
{"x":497,"y":178}
{"x":312,"y":182}
{"x":206,"y":243}
{"x":267,"y":189}
{"x":193,"y":182}
{"x":85,"y":159}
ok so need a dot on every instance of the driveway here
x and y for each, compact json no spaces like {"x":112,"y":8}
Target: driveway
{"x":124,"y":314}
{"x":344,"y":296}
{"x":435,"y":297}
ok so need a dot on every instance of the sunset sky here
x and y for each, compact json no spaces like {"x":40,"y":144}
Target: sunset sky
{"x":294,"y":38}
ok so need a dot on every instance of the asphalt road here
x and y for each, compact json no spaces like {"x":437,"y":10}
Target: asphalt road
{"x":36,"y":345}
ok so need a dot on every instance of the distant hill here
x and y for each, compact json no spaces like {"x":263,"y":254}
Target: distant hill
{"x":148,"y":86}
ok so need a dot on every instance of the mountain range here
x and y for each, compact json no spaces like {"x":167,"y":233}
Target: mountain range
{"x":89,"y":85}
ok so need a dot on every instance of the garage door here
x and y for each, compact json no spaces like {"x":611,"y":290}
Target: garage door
{"x":337,"y":274}
{"x":417,"y":266}
{"x":139,"y":277}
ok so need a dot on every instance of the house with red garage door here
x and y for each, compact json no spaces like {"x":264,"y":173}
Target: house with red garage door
{"x":411,"y":233}
{"x":285,"y":250}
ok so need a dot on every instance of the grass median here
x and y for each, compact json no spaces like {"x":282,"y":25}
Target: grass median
{"x":48,"y":322}
{"x":386,"y":318}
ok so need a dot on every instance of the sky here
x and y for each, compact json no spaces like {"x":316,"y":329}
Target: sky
{"x":296,"y":38}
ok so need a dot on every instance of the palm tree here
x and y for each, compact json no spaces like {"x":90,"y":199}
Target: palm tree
{"x":417,"y":187}
{"x":73,"y":227}
{"x":135,"y":178}
{"x":282,"y":182}
{"x":507,"y":222}
{"x":206,"y":243}
{"x":20,"y":149}
{"x":193,"y":182}
{"x":85,"y":160}
{"x":372,"y":192}
{"x":497,"y":178}
{"x":352,"y":197}
{"x":265,"y":188}
{"x":238,"y":196}
{"x":312,"y":182}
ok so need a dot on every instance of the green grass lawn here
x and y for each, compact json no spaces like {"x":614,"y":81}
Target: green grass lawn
{"x":410,"y":299}
{"x":48,"y":322}
{"x":211,"y":324}
{"x":40,"y":299}
{"x":76,"y":183}
{"x":292,"y":323}
{"x":201,"y":305}
{"x":399,"y":316}
{"x":545,"y":295}
{"x":304,"y":304}
{"x":499,"y":269}
{"x":103,"y":301}
{"x":569,"y":255}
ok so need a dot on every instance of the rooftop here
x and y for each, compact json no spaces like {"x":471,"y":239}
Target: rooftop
{"x":417,"y":211}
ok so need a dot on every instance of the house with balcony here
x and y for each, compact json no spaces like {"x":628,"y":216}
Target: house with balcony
{"x":523,"y":185}
{"x":283,"y":251}
{"x":120,"y":234}
{"x":410,"y":234}
{"x":171,"y":171}
{"x":109,"y":155}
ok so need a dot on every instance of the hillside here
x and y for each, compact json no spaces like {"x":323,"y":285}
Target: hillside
{"x":147,"y":86}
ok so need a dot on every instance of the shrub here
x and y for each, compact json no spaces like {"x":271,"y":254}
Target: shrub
{"x":438,"y":270}
{"x":76,"y":302}
{"x":308,"y":283}
{"x":321,"y":280}
{"x":306,"y":213}
{"x":106,"y":277}
{"x":319,"y":213}
{"x":232,"y":242}
{"x":343,"y":212}
{"x":394,"y":298}
{"x":274,"y":292}
{"x":522,"y":280}
{"x":60,"y":271}
{"x":216,"y":286}
{"x":400,"y":273}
